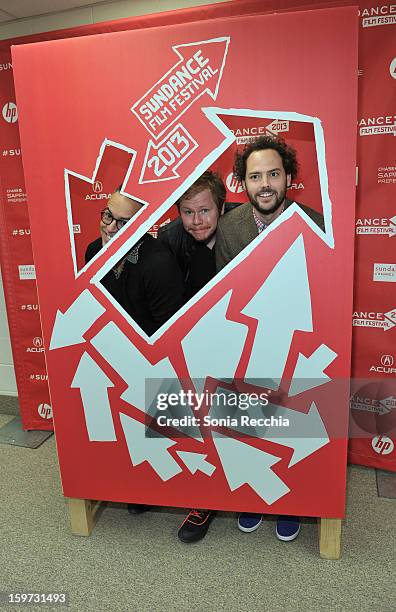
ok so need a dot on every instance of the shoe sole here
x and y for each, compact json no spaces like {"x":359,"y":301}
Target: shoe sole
{"x":249,"y":529}
{"x":288,"y":538}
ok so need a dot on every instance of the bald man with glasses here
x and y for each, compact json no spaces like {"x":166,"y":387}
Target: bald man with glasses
{"x":147,"y":281}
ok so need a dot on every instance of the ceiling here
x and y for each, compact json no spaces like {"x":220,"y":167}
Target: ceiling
{"x":22,"y":9}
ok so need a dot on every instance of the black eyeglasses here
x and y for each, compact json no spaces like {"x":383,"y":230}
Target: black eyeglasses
{"x":108,"y":219}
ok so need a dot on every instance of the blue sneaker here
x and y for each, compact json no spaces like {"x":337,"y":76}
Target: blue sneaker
{"x":287,"y":528}
{"x":248,"y":522}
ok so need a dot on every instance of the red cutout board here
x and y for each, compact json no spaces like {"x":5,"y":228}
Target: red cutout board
{"x":280,"y":310}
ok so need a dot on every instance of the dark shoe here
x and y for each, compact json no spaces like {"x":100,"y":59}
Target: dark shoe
{"x":248,"y":522}
{"x":138,"y":508}
{"x":196,"y":525}
{"x":287,"y":528}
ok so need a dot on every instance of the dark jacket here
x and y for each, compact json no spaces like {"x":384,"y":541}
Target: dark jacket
{"x":150,"y":287}
{"x":190,"y":254}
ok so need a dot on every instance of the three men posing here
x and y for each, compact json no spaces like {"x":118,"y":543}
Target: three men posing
{"x":202,"y":241}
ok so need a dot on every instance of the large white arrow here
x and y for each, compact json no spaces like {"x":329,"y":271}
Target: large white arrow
{"x":70,"y":326}
{"x":309,"y":371}
{"x":281,"y":306}
{"x":305,"y":433}
{"x":214,"y":345}
{"x":93,"y":384}
{"x":244,"y":464}
{"x":152,"y":450}
{"x":198,"y":71}
{"x":196,"y":462}
{"x":145,"y":380}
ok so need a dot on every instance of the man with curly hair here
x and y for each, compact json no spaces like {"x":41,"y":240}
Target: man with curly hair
{"x":265,"y":168}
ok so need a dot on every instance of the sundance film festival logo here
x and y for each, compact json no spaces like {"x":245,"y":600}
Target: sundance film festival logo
{"x":6,"y":66}
{"x":363,"y":403}
{"x":386,"y":365}
{"x":385,"y":321}
{"x":376,"y":225}
{"x":97,"y":192}
{"x":250,"y":134}
{"x":384,"y":14}
{"x":383,"y":124}
{"x":27,"y":272}
{"x":384,"y":272}
{"x":10,"y":112}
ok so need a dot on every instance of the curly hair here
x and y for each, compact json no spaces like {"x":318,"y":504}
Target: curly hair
{"x":287,"y":153}
{"x":208,"y":180}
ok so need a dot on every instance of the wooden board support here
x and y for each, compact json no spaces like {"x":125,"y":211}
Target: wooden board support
{"x":83,"y":515}
{"x":329,"y":538}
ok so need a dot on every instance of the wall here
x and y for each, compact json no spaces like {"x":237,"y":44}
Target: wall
{"x":80,"y":16}
{"x":94,"y":14}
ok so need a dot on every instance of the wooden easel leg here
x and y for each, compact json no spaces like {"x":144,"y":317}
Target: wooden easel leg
{"x":83,"y":515}
{"x":330,"y":538}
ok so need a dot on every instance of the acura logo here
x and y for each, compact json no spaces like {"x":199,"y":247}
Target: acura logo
{"x":37,"y":341}
{"x":387,"y":360}
{"x":97,"y":187}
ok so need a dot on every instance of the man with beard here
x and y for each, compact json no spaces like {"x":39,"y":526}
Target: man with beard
{"x":265,"y":168}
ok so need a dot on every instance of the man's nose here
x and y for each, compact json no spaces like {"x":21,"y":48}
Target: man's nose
{"x":112,"y":227}
{"x":197,"y":219}
{"x":265,"y":181}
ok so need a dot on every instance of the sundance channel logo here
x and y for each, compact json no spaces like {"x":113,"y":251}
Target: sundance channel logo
{"x":27,"y":272}
{"x":378,"y":15}
{"x":384,"y":272}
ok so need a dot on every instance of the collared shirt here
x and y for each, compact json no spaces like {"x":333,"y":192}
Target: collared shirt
{"x":260,"y":225}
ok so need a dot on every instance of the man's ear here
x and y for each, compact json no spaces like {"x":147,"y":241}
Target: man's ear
{"x":288,"y":180}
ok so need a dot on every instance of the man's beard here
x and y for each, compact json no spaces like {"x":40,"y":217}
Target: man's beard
{"x":279,"y":200}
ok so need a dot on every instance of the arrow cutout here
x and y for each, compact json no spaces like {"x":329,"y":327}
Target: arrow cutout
{"x":93,"y":384}
{"x":277,"y":321}
{"x":70,"y":326}
{"x":153,"y":450}
{"x":309,"y":371}
{"x":244,"y":464}
{"x":196,"y":462}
